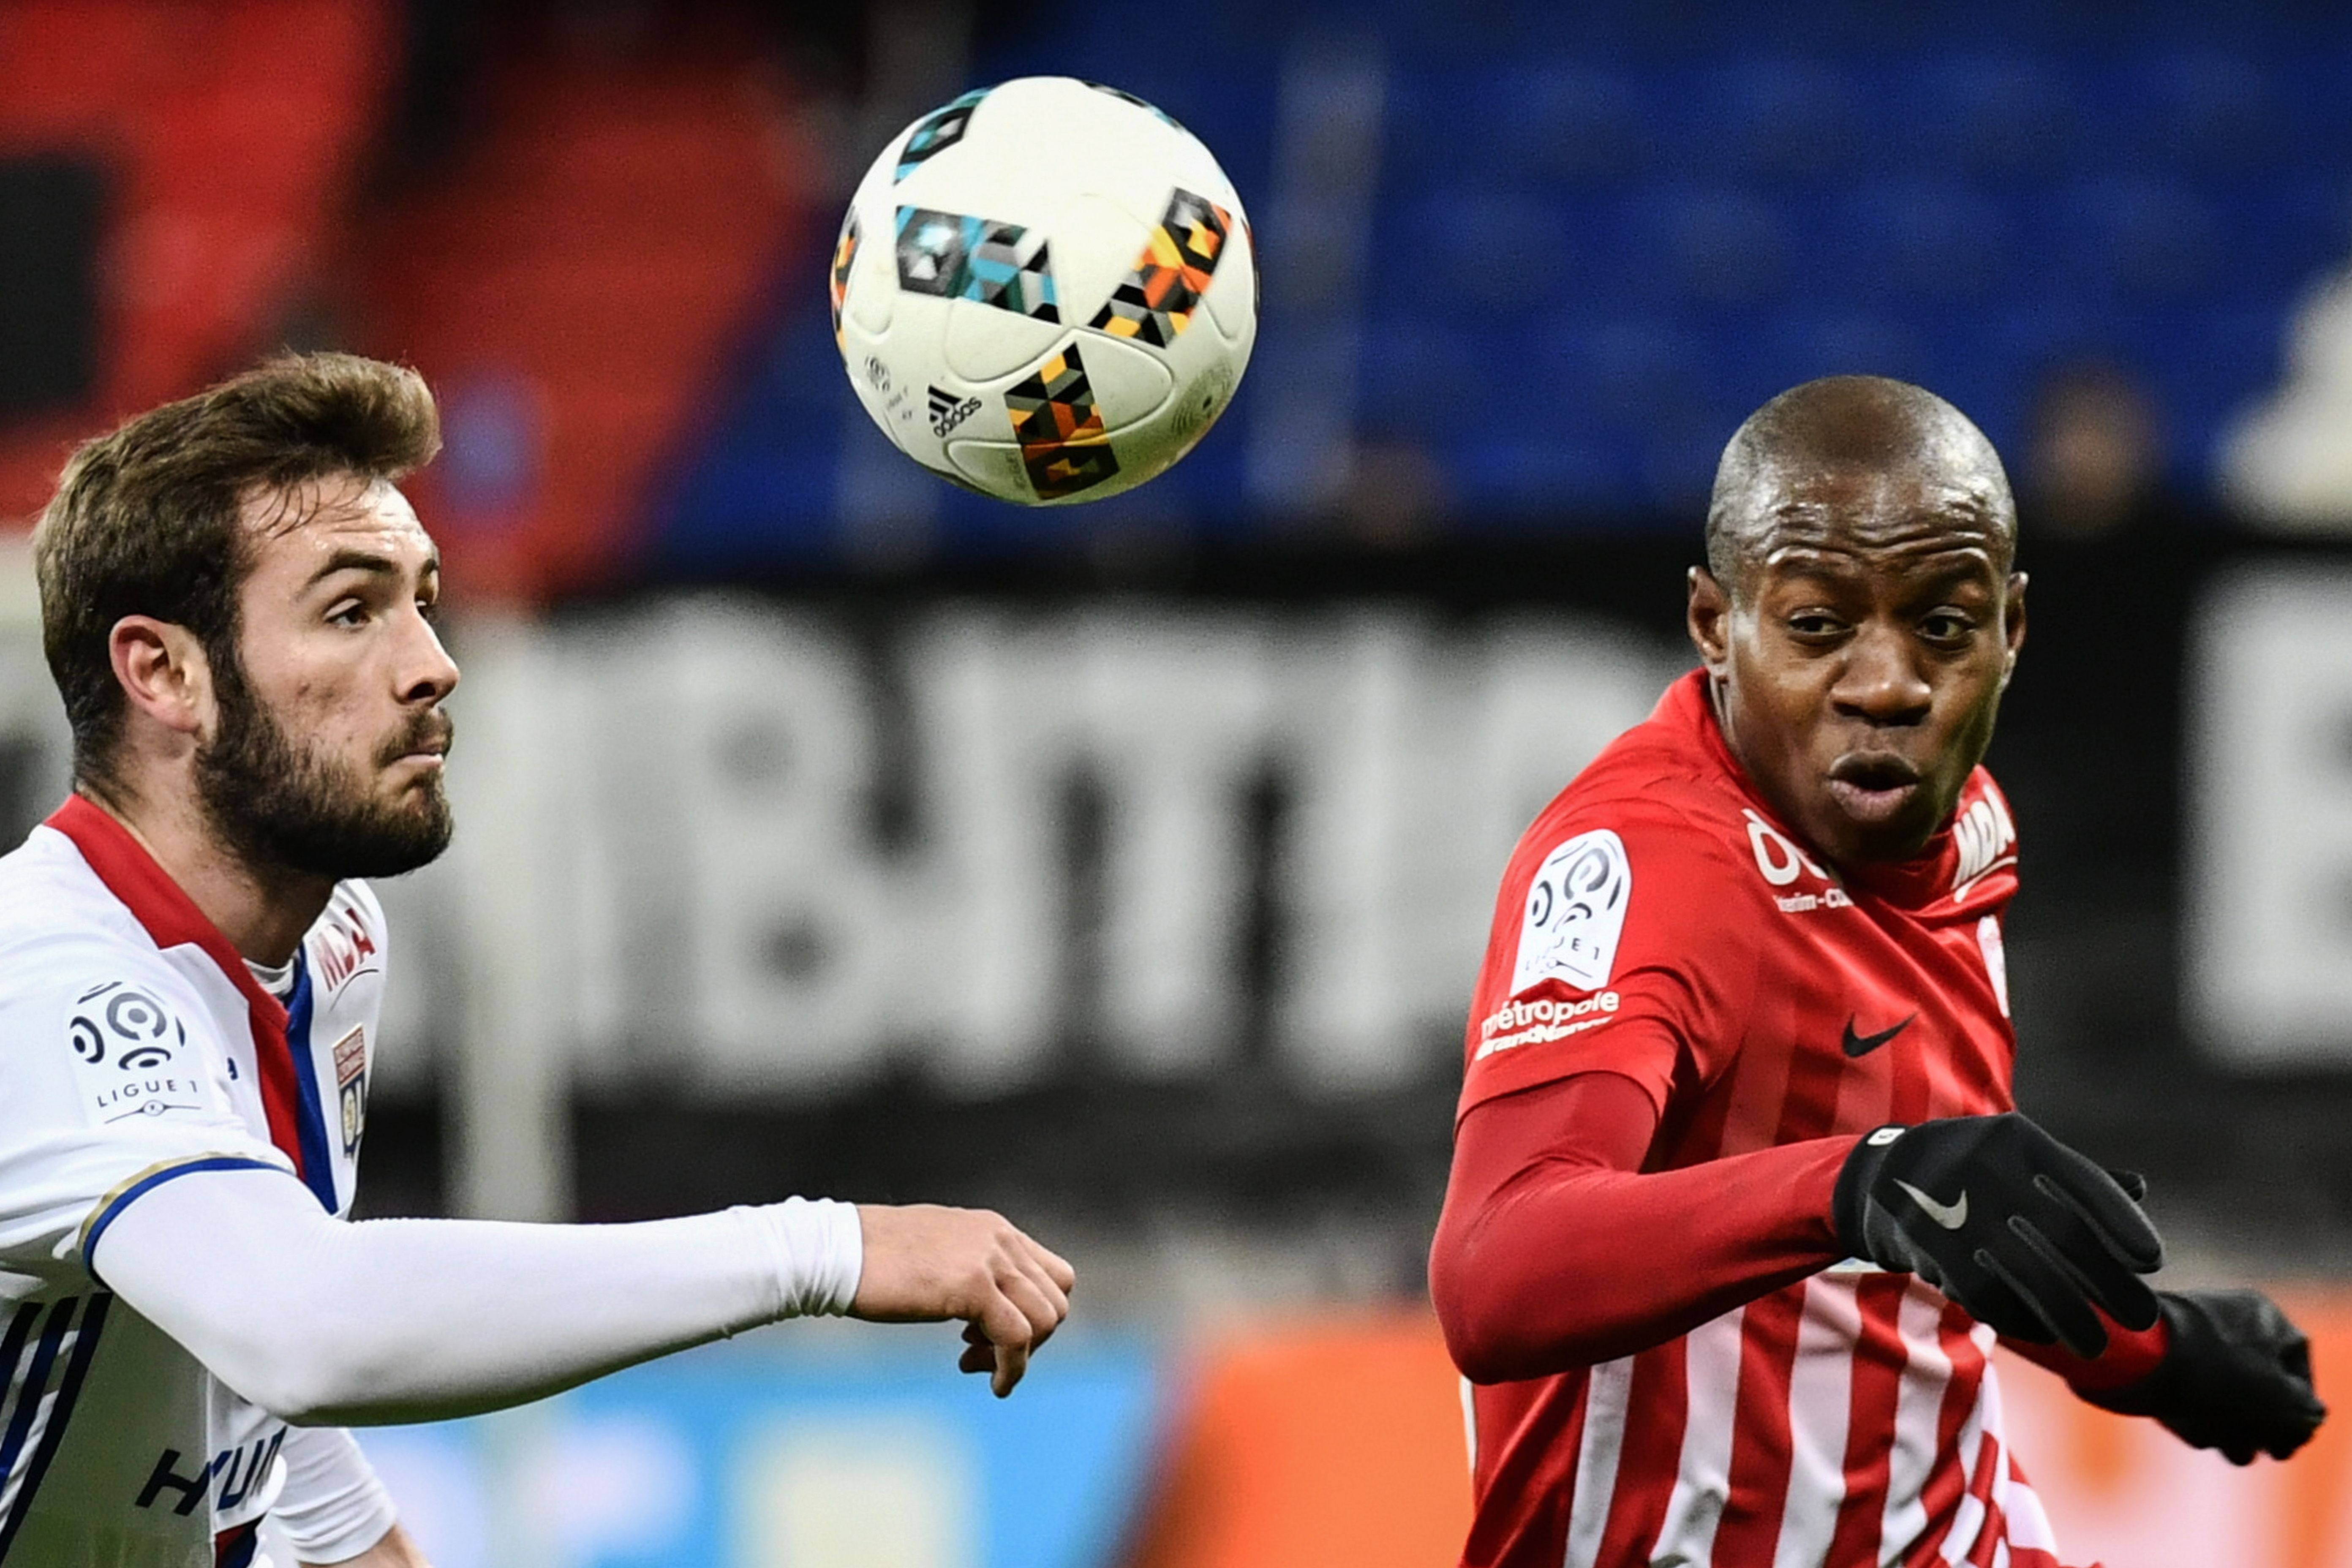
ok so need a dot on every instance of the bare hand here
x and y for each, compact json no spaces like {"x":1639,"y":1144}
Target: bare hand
{"x":925,"y":1263}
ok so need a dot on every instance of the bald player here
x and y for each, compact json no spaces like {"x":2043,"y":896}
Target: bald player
{"x":1740,"y":1201}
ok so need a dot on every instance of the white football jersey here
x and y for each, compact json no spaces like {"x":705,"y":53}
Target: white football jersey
{"x":136,"y":1047}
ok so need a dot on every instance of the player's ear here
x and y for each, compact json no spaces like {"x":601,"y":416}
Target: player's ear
{"x":2015,"y":613}
{"x":1708,"y":619}
{"x":163,"y":671}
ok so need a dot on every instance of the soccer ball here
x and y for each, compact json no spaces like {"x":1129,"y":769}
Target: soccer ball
{"x":1045,"y":291}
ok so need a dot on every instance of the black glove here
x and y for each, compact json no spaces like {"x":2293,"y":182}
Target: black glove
{"x":2019,"y":1230}
{"x":2236,"y":1376}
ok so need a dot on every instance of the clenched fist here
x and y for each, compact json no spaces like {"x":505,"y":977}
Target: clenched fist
{"x":2236,"y":1376}
{"x":925,"y":1263}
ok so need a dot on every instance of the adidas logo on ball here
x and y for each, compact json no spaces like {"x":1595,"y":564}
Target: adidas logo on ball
{"x":947,"y":413}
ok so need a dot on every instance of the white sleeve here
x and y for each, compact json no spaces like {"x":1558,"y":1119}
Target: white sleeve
{"x":325,"y":1321}
{"x":332,"y":1507}
{"x":112,"y":1071}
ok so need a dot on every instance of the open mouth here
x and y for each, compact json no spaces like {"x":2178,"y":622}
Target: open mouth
{"x":1873,"y":786}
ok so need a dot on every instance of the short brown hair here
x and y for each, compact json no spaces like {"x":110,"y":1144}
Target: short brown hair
{"x":146,"y":521}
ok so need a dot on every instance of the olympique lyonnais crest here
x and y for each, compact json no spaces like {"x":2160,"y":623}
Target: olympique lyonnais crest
{"x":351,"y":1084}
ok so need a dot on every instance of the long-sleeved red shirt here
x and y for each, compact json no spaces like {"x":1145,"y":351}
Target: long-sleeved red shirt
{"x":1683,"y":1022}
{"x":1558,"y":1251}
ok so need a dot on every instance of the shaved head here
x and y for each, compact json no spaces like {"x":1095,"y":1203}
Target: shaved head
{"x":1849,"y":422}
{"x":1860,"y":611}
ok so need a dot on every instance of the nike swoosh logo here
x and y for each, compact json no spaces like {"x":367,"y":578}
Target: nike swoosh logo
{"x":1862,"y":1045}
{"x":1951,"y":1217}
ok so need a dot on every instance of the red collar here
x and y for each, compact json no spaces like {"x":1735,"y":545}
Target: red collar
{"x":172,"y":919}
{"x":1910,"y":884}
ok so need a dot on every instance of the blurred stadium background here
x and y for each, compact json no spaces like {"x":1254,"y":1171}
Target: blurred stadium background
{"x":828,"y":830}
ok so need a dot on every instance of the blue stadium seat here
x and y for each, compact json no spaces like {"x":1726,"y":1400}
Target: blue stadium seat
{"x":1480,"y":32}
{"x":1786,"y":122}
{"x":1631,"y":369}
{"x":1430,"y":378}
{"x":1935,"y":241}
{"x":2210,"y":364}
{"x":2133,"y":241}
{"x":1542,"y":471}
{"x":1223,"y":91}
{"x":2203,"y":111}
{"x":1799,"y":347}
{"x":1487,"y":254}
{"x":1711,"y":244}
{"x":2094,"y":27}
{"x":2000,"y":116}
{"x":2316,"y":83}
{"x":762,"y":485}
{"x":1678,"y":460}
{"x":1516,"y":126}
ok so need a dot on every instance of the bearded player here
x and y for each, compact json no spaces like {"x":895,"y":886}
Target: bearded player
{"x":238,"y":606}
{"x":1740,"y":1201}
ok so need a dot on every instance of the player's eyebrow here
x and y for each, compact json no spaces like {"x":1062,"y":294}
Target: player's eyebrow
{"x":370,"y":562}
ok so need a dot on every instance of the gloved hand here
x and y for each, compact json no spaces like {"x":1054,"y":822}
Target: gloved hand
{"x":2019,"y":1231}
{"x":2236,"y":1376}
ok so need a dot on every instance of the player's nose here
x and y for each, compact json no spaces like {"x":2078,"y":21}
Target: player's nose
{"x":428,"y":673}
{"x":1881,"y":681}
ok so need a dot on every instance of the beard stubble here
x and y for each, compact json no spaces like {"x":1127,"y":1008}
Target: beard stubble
{"x":284,"y":805}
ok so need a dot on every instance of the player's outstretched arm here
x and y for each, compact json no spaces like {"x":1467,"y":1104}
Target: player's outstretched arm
{"x":1556,"y":1250}
{"x":321,"y":1321}
{"x":2013,"y":1226}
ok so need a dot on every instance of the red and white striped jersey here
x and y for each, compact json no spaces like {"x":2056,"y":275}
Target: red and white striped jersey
{"x":1851,"y":1418}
